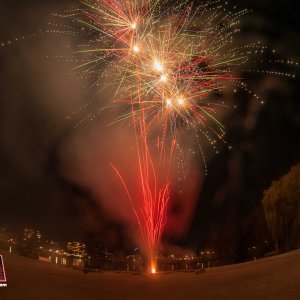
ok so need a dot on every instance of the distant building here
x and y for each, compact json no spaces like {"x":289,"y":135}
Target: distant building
{"x":7,"y":240}
{"x":51,"y":245}
{"x":30,"y":242}
{"x":30,"y":234}
{"x":38,"y":235}
{"x":76,"y":248}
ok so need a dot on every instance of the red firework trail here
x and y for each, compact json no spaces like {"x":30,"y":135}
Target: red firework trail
{"x":151,"y":215}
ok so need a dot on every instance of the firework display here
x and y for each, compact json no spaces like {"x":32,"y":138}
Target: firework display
{"x":167,"y":64}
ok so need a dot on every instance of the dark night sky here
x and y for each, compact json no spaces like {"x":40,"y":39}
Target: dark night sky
{"x":36,"y":96}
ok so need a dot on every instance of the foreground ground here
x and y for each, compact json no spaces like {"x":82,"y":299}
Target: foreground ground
{"x":273,"y":278}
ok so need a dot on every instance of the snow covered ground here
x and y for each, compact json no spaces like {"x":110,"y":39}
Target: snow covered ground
{"x":273,"y":278}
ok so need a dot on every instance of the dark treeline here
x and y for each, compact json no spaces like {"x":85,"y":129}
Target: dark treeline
{"x":281,"y":204}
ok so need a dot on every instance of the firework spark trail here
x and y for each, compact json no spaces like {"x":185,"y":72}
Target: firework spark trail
{"x":165,"y":66}
{"x":155,"y":195}
{"x":151,"y":216}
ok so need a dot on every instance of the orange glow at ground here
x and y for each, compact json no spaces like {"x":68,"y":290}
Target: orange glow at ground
{"x":153,"y":267}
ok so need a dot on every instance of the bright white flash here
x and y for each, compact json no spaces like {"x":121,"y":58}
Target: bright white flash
{"x":163,"y":78}
{"x":158,"y":66}
{"x":136,"y":48}
{"x":180,"y":101}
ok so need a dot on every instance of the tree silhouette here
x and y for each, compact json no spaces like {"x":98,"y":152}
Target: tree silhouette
{"x":281,"y":204}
